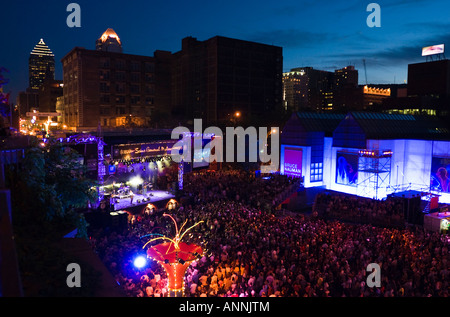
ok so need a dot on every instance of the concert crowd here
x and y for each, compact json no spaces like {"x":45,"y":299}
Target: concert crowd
{"x":251,"y":251}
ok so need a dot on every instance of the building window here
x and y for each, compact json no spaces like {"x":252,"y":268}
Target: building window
{"x":135,"y":89}
{"x":149,"y":101}
{"x":104,"y":62}
{"x":105,"y":111}
{"x":104,"y":87}
{"x":135,"y":100}
{"x":120,"y":100}
{"x":120,"y":76}
{"x":149,"y":89}
{"x":135,"y":77}
{"x":120,"y":87}
{"x":149,"y":67}
{"x":135,"y":66}
{"x":105,"y":99}
{"x":148,"y":77}
{"x":120,"y":64}
{"x":120,"y":110}
{"x":316,"y":172}
{"x":136,"y":111}
{"x":104,"y":74}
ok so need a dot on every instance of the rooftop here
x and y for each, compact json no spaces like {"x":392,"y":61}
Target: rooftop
{"x":42,"y":49}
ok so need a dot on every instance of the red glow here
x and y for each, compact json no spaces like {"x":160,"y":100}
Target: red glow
{"x":175,"y":262}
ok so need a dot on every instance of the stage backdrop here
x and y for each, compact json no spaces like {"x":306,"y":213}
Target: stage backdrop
{"x":347,"y":168}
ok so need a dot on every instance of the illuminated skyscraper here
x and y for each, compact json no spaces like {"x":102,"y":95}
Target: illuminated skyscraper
{"x":41,"y":64}
{"x":109,"y":42}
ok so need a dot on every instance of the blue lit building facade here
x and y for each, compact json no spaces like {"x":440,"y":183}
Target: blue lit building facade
{"x":368,"y":154}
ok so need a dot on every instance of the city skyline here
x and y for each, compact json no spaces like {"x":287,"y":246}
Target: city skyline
{"x":320,"y":34}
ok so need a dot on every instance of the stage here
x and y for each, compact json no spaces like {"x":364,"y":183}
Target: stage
{"x":159,"y":198}
{"x":153,"y":197}
{"x":116,"y":216}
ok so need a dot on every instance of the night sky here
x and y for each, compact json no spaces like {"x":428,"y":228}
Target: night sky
{"x":318,"y":33}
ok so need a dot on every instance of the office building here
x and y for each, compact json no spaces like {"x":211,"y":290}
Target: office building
{"x":429,"y":78}
{"x":41,"y":63}
{"x":295,"y":90}
{"x":220,"y":77}
{"x":306,"y":88}
{"x":345,"y":77}
{"x":428,"y":91}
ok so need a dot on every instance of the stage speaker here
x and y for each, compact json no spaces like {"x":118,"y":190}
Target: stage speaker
{"x":413,"y":213}
{"x":114,"y":216}
{"x":123,"y":220}
{"x":411,"y":205}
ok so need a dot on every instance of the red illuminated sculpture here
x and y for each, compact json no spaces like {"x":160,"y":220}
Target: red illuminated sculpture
{"x":175,"y":257}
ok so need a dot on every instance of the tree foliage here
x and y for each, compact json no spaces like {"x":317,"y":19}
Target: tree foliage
{"x":53,"y":180}
{"x":47,"y":188}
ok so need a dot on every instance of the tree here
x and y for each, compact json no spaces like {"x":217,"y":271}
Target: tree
{"x":47,"y":188}
{"x":51,"y":185}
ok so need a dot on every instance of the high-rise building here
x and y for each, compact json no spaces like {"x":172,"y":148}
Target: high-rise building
{"x":346,"y":77}
{"x":308,"y":89}
{"x":109,"y":42}
{"x":295,"y":90}
{"x":220,"y":77}
{"x":41,"y":63}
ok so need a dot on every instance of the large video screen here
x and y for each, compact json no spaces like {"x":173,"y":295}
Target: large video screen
{"x":347,"y":168}
{"x":434,"y":49}
{"x":201,"y":157}
{"x":293,"y":162}
{"x":440,"y":171}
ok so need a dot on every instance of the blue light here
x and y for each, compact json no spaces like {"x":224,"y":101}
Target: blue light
{"x":112,"y":169}
{"x":140,"y":262}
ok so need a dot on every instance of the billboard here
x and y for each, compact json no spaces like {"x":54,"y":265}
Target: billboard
{"x":347,"y":168}
{"x":440,"y":171}
{"x":293,"y":162}
{"x":432,"y":50}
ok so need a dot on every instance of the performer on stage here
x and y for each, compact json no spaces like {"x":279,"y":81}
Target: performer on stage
{"x":131,"y":196}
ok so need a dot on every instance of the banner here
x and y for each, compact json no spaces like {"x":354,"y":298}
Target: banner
{"x":293,"y":162}
{"x":133,"y":151}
